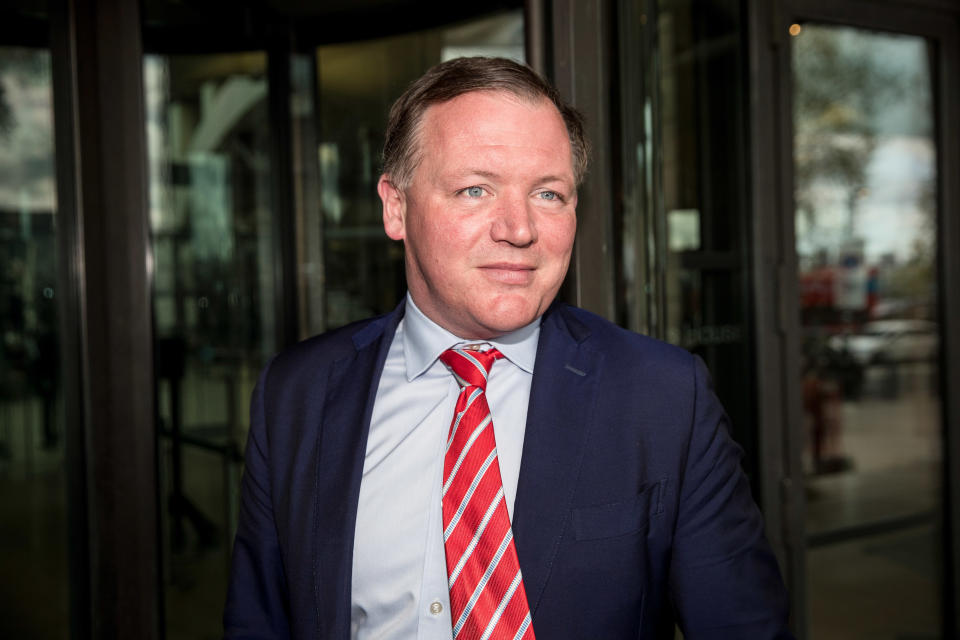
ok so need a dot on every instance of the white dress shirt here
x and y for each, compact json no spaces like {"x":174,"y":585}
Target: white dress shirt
{"x":399,"y":587}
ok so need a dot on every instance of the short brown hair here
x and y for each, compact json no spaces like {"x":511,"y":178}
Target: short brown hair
{"x":456,"y":77}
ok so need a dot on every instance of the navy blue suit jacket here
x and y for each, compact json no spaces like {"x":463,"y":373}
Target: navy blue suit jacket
{"x":631,"y":509}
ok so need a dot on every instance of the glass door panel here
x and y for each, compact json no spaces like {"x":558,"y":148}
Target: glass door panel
{"x":699,"y":252}
{"x":33,"y":515}
{"x":357,"y":82}
{"x":866,"y":241}
{"x":213,"y":220}
{"x":208,"y":139}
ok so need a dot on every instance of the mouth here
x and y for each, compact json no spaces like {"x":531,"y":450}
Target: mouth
{"x":511,"y":273}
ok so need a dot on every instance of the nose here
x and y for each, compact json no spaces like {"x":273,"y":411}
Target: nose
{"x":514,"y":222}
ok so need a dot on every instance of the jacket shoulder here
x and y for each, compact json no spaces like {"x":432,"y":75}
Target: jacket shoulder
{"x":317,"y":353}
{"x":619,"y":344}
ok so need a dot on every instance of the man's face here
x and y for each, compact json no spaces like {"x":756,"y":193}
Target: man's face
{"x":489,"y":219}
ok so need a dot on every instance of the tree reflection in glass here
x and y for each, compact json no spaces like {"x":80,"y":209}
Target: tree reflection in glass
{"x":865,"y":180}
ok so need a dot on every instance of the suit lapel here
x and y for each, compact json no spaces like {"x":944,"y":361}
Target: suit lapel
{"x":558,"y":424}
{"x":350,"y":395}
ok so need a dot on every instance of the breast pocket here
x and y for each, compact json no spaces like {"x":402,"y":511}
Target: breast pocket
{"x":620,"y":518}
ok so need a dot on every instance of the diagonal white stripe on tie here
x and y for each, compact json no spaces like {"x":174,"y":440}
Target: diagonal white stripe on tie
{"x":466,"y":449}
{"x":483,"y":581}
{"x":466,"y":497}
{"x":503,"y":605}
{"x":456,"y":421}
{"x":476,"y":537}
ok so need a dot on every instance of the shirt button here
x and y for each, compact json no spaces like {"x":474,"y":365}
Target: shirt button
{"x":436,"y":608}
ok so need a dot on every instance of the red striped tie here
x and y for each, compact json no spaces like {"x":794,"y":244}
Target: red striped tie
{"x":487,"y":598}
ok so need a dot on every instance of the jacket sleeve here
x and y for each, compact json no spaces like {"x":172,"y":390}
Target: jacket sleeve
{"x":257,"y":598}
{"x":724,"y":579}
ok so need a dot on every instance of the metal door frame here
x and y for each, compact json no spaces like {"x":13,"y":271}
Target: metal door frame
{"x":775,"y":263}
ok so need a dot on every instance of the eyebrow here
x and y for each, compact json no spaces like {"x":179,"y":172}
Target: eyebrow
{"x":553,"y":179}
{"x":477,"y":172}
{"x":493,"y":175}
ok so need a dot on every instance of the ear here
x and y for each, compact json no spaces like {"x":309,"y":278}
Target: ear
{"x":394,"y":208}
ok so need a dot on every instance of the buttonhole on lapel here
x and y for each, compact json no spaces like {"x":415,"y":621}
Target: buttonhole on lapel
{"x":574,"y":369}
{"x":661,"y":488}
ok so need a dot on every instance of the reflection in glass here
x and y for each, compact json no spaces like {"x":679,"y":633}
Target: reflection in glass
{"x":684,"y":242}
{"x":210,"y":211}
{"x":866,"y":230}
{"x":357,"y":83}
{"x":209,"y":135}
{"x":33,"y":539}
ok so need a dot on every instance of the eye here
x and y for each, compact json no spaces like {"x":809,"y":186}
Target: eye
{"x":473,"y":192}
{"x":550,"y":195}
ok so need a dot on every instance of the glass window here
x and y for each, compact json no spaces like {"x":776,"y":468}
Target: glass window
{"x":684,"y":270}
{"x":866,"y":240}
{"x":357,"y":83}
{"x":33,"y":517}
{"x":213,"y":220}
{"x":208,"y":138}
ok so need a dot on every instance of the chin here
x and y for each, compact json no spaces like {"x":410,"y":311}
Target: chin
{"x":505,"y":318}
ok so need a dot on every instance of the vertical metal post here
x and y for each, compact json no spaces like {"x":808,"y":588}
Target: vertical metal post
{"x":281,"y":178}
{"x":105,"y":249}
{"x":947,"y":73}
{"x":309,"y":229}
{"x":776,"y":317}
{"x":70,"y":310}
{"x":536,"y":35}
{"x":581,"y":69}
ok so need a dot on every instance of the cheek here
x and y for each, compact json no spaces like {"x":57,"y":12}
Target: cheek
{"x":557,"y":237}
{"x":454,"y":240}
{"x":442,"y":249}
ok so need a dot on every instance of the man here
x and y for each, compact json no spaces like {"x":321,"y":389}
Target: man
{"x":485,"y":462}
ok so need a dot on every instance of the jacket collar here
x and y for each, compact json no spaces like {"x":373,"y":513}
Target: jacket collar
{"x":348,"y":405}
{"x":559,"y":424}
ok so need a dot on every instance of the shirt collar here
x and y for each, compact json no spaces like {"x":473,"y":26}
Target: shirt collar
{"x":424,"y":340}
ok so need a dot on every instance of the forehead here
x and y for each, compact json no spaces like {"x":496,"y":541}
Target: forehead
{"x":488,"y":124}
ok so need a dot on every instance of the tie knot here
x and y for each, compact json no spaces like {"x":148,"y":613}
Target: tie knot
{"x":470,"y":367}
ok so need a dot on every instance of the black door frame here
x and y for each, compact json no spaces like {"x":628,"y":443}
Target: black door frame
{"x":775,"y":262}
{"x":105,"y":263}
